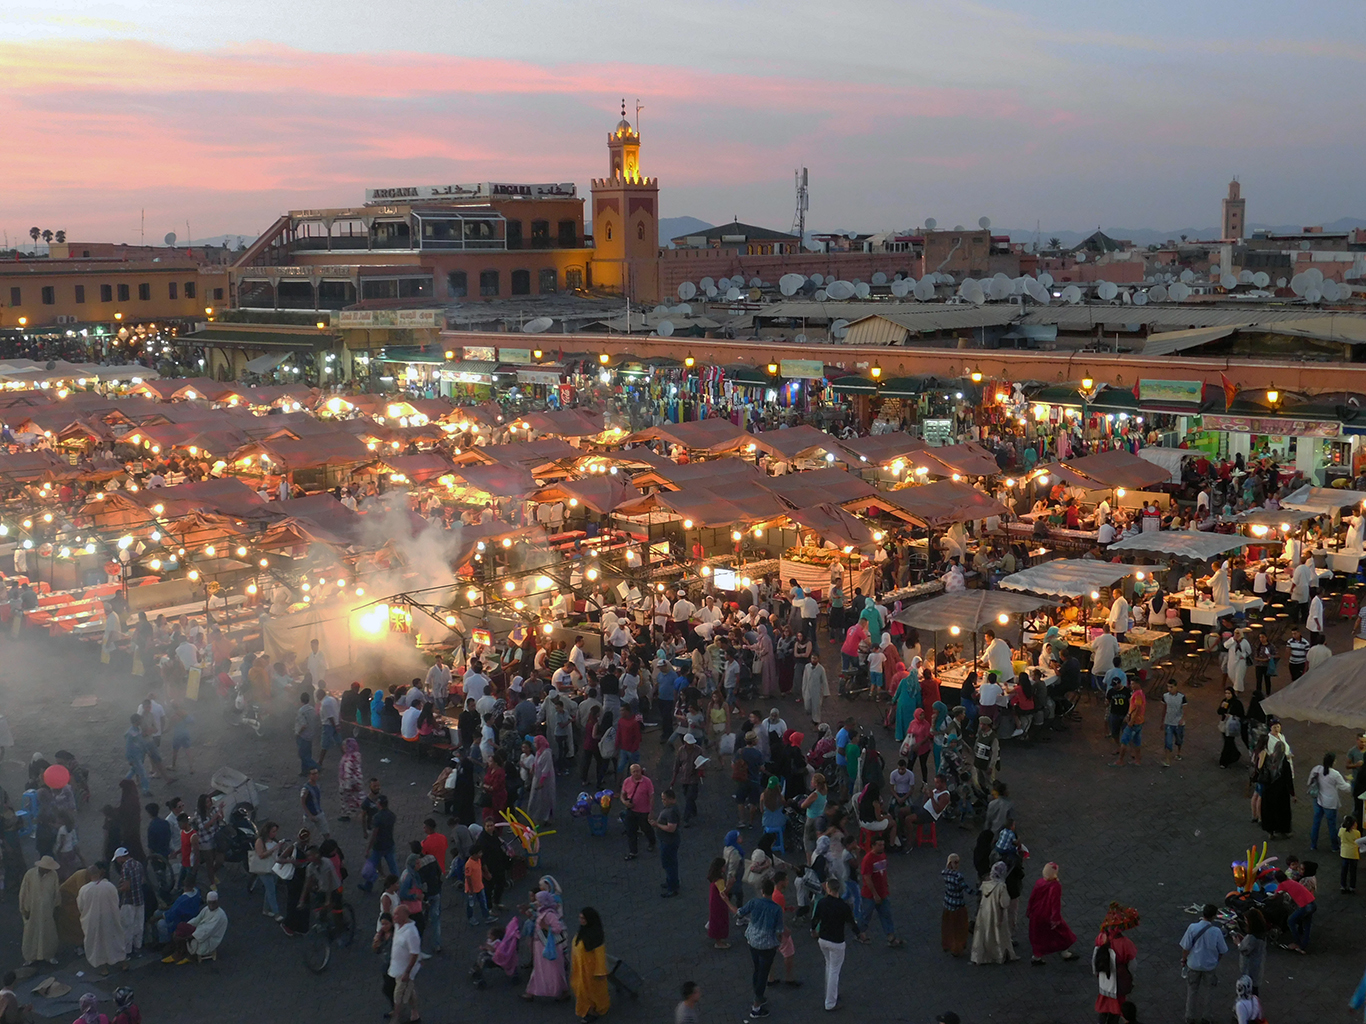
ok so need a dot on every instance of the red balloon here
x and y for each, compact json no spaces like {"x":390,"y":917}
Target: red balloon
{"x":56,"y":776}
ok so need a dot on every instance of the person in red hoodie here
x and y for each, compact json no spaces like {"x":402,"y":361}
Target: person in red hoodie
{"x":628,"y":739}
{"x":1302,"y":917}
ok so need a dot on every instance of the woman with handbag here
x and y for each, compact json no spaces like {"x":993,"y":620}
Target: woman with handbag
{"x":1113,"y":962}
{"x":549,"y":979}
{"x":1231,"y":714}
{"x":261,"y":863}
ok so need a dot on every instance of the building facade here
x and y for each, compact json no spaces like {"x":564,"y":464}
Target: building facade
{"x":74,"y":292}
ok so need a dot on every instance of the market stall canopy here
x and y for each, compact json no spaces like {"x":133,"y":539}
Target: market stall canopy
{"x":34,"y":467}
{"x":313,"y":452}
{"x":1116,"y":468}
{"x":798,"y":441}
{"x":281,"y":394}
{"x":500,"y":481}
{"x":832,"y":523}
{"x":713,"y":435}
{"x":944,"y":503}
{"x":711,"y":508}
{"x":420,"y":468}
{"x":539,"y":456}
{"x":469,"y":538}
{"x":817,"y":486}
{"x":601,"y":494}
{"x":1191,"y":544}
{"x":186,"y":389}
{"x":1170,"y":459}
{"x":566,"y":422}
{"x":1072,"y":577}
{"x":1322,"y":499}
{"x":969,"y":610}
{"x":1273,"y":517}
{"x":721,"y":474}
{"x":968,"y":459}
{"x":1330,"y":694}
{"x":880,"y":449}
{"x":268,"y":362}
{"x":317,"y":518}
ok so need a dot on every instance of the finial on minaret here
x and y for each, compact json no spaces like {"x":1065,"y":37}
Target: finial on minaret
{"x":623,"y":108}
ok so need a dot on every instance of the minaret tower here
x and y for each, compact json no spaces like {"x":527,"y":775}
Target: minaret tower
{"x":626,"y":220}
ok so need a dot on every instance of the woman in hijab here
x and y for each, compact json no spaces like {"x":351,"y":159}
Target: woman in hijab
{"x":920,"y":741}
{"x":1048,"y":932}
{"x":786,"y":654}
{"x":541,"y":801}
{"x":733,"y":855}
{"x":350,"y":778}
{"x":1246,"y":1006}
{"x":940,"y":730}
{"x":907,"y":702}
{"x":549,"y":979}
{"x":363,"y":707}
{"x":589,"y":967}
{"x":1231,"y":715}
{"x":1113,"y":962}
{"x":929,"y":687}
{"x":1277,"y":775}
{"x":377,"y":709}
{"x":766,"y":662}
{"x":991,"y":941}
{"x":129,"y":817}
{"x":1254,"y":725}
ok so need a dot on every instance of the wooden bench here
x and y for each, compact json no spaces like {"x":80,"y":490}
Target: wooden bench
{"x":393,"y":741}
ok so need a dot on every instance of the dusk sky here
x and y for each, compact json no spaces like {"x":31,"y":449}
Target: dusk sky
{"x":1069,"y":113}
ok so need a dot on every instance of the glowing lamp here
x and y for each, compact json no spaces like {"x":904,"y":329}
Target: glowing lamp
{"x":876,"y":372}
{"x":241,"y":552}
{"x":954,"y":630}
{"x":689,"y":362}
{"x":1095,"y":595}
{"x":773,"y":368}
{"x":124,"y":542}
{"x":687,"y":524}
{"x":509,"y":586}
{"x":1272,"y":396}
{"x":472,"y":594}
{"x":591,"y":574}
{"x":547,"y":629}
{"x":706,"y":570}
{"x":976,"y":376}
{"x":1003,"y":618}
{"x":264,"y":562}
{"x":735,"y":535}
{"x":194,"y":574}
{"x":1119,"y":492}
{"x":450,"y":620}
{"x":251,"y":588}
{"x":1088,"y":382}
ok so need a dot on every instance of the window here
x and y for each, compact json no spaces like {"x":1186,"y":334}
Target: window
{"x":640,"y":230}
{"x":106,"y":293}
{"x":573,"y":279}
{"x":189,"y":289}
{"x":172,"y":290}
{"x":415,"y":288}
{"x":609,"y":231}
{"x":396,"y":288}
{"x":85,"y":253}
{"x":521,"y":282}
{"x":16,"y":297}
{"x":218,"y":294}
{"x":548,"y":282}
{"x":514,"y":234}
{"x":123,"y":293}
{"x":569,"y":234}
{"x":144,"y":292}
{"x":540,"y":233}
{"x":457,"y":284}
{"x":488,"y":282}
{"x":49,"y":295}
{"x":80,"y":294}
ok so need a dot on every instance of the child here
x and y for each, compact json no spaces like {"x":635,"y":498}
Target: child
{"x":876,"y":659}
{"x":498,"y":950}
{"x":189,"y":848}
{"x":1350,"y":854}
{"x":474,"y":889}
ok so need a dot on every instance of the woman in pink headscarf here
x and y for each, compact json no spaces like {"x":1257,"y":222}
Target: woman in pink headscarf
{"x":919,"y":741}
{"x":549,"y":979}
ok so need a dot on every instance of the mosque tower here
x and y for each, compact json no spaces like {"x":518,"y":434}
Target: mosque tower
{"x":626,"y":220}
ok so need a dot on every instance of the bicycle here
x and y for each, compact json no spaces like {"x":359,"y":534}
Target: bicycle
{"x":330,"y":927}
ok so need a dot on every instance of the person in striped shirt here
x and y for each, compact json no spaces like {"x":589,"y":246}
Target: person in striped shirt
{"x":1299,"y":653}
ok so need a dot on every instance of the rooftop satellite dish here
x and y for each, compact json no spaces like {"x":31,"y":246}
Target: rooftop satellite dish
{"x":817,"y":279}
{"x":660,"y":310}
{"x":1035,"y":290}
{"x":756,"y":282}
{"x":1187,"y":276}
{"x":1245,"y":277}
{"x":1314,"y":275}
{"x":1280,"y":282}
{"x":170,"y":238}
{"x":687,"y":290}
{"x":931,"y":223}
{"x":800,"y":339}
{"x":959,"y":227}
{"x":1046,"y":280}
{"x":1214,"y":271}
{"x":1179,"y":292}
{"x":707,"y":283}
{"x":1107,"y":290}
{"x":1313,"y":295}
{"x":789,"y":283}
{"x":1299,"y":284}
{"x":732,"y":294}
{"x":1228,"y":282}
{"x":984,"y":222}
{"x":1330,"y":290}
{"x":863,"y":290}
{"x":924,"y":291}
{"x":1140,"y":298}
{"x":879,"y":278}
{"x":1019,"y":286}
{"x":1079,"y":256}
{"x":820,"y":295}
{"x":840,"y":290}
{"x":683,"y":308}
{"x":1261,"y":279}
{"x":665,"y":328}
{"x":899,"y":288}
{"x":1071,"y":294}
{"x":1158,"y":294}
{"x":710,"y":291}
{"x":839,"y":328}
{"x":536,"y":326}
{"x":851,"y":235}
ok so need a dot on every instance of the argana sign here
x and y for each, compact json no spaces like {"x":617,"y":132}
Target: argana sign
{"x":477,"y":190}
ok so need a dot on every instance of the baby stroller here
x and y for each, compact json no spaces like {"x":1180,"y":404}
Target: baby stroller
{"x":501,"y":954}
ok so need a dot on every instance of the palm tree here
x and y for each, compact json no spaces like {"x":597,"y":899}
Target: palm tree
{"x":61,"y":236}
{"x":47,"y":236}
{"x":1055,"y":243}
{"x":33,"y":233}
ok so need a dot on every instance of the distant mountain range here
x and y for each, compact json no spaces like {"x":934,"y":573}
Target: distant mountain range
{"x":672,"y":227}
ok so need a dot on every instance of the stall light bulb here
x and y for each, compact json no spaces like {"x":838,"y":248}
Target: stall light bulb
{"x":241,"y":552}
{"x":1095,"y":595}
{"x":154,"y":564}
{"x":509,"y":586}
{"x":28,"y":524}
{"x":360,"y":591}
{"x":450,"y":620}
{"x":194,"y":574}
{"x":251,"y":588}
{"x":1003,"y":618}
{"x":472,"y":594}
{"x":47,"y":517}
{"x":264,"y":562}
{"x":210,"y":551}
{"x":547,"y":629}
{"x":954,"y":630}
{"x":706,"y":570}
{"x":591,"y":574}
{"x":687,"y":524}
{"x":542,"y":582}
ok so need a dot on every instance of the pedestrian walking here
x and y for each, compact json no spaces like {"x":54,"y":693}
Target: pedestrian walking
{"x":311,"y":802}
{"x":830,"y":919}
{"x":405,"y":960}
{"x":686,"y":1010}
{"x":638,"y":793}
{"x":992,"y":941}
{"x":1201,"y":947}
{"x":589,"y":968}
{"x":763,"y":921}
{"x":953,"y":925}
{"x":1048,"y":932}
{"x":876,"y":891}
{"x":1112,"y":961}
{"x":667,"y":823}
{"x":307,"y":726}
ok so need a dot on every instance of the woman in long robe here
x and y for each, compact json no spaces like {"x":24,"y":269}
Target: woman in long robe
{"x":1118,"y":920}
{"x":39,"y":898}
{"x":1048,"y":932}
{"x":549,"y":979}
{"x":541,"y":801}
{"x":907,"y":701}
{"x":68,"y":916}
{"x":929,"y":689}
{"x":940,"y":713}
{"x":588,"y":969}
{"x":786,"y":660}
{"x":991,"y":937}
{"x":98,"y":902}
{"x":1277,"y":790}
{"x":766,"y":662}
{"x":350,"y":778}
{"x":719,"y":908}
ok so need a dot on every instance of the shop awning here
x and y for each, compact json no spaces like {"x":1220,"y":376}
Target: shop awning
{"x":1111,"y":469}
{"x":969,"y":610}
{"x":1170,"y":459}
{"x":853,"y":385}
{"x":820,"y":485}
{"x":968,"y":459}
{"x":268,"y":362}
{"x":1191,"y":544}
{"x":420,"y":467}
{"x":467,"y":371}
{"x":1072,"y":577}
{"x":1330,"y":694}
{"x":1169,"y":342}
{"x":566,"y":422}
{"x":543,"y":374}
{"x":800,"y":440}
{"x":714,"y":435}
{"x":499,"y":480}
{"x":1273,"y":517}
{"x":1323,"y":499}
{"x":833,"y":524}
{"x":603,"y":494}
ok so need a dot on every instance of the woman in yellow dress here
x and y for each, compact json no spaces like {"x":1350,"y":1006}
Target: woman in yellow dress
{"x":588,"y":974}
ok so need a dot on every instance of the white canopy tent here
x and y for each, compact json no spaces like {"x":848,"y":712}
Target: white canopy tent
{"x":1183,"y":544}
{"x":1073,"y":577}
{"x":1169,"y":459}
{"x":968,"y":610}
{"x":1323,"y":500}
{"x":1331,"y":694}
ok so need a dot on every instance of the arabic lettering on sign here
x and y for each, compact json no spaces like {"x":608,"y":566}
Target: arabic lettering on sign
{"x":394,"y":318}
{"x":1273,"y":427}
{"x":475,"y":190}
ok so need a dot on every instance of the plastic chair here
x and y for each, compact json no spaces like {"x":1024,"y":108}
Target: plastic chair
{"x":1348,"y":607}
{"x":921,"y":839}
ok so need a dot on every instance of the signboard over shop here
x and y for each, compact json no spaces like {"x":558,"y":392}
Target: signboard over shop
{"x":1273,"y":427}
{"x":391,"y":319}
{"x":477,"y":190}
{"x":1184,"y":391}
{"x":807,"y":369}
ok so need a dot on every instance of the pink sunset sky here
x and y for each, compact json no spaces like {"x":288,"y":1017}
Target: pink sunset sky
{"x":1068,"y":114}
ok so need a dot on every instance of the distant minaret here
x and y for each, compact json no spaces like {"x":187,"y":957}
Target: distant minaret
{"x":1235,"y":209}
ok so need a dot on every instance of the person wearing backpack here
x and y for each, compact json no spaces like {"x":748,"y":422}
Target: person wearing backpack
{"x":1201,"y":947}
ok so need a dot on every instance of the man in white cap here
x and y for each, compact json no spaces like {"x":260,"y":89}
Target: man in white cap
{"x":130,"y":878}
{"x":202,"y":934}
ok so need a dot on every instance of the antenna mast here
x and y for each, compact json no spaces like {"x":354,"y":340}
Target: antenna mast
{"x":803,"y":204}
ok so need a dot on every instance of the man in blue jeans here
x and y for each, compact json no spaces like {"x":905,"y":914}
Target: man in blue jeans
{"x":666,"y":823}
{"x":763,"y":920}
{"x":135,"y":750}
{"x":1301,"y":919}
{"x":381,"y":845}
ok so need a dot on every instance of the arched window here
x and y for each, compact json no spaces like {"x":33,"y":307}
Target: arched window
{"x":640,"y":230}
{"x":609,"y":231}
{"x":521,"y":282}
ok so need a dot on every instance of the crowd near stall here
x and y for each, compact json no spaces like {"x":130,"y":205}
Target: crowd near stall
{"x":517,"y":595}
